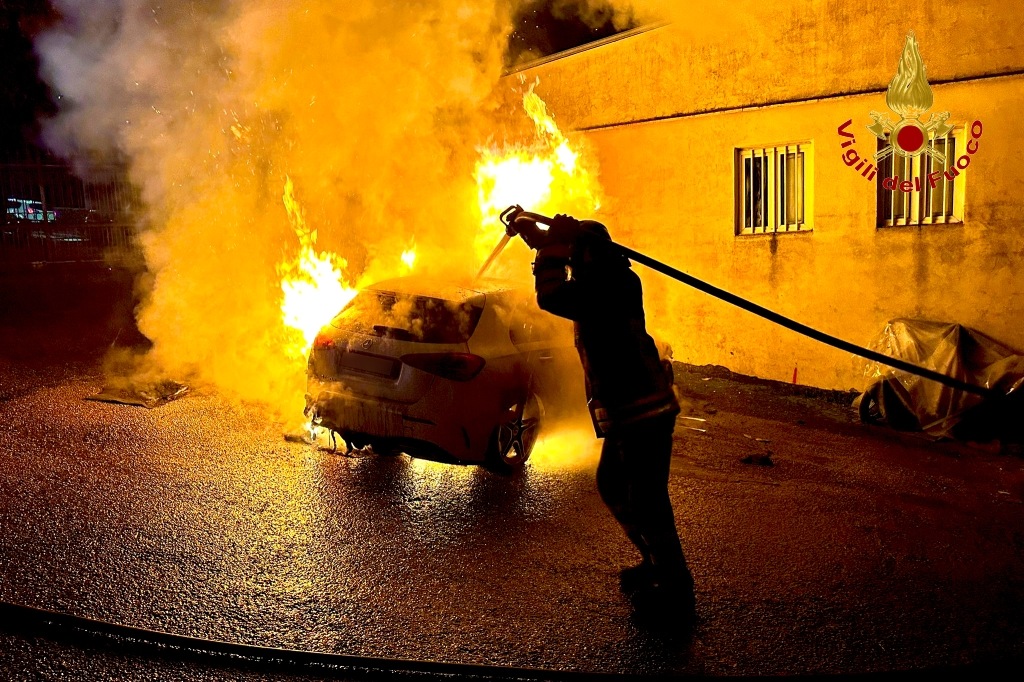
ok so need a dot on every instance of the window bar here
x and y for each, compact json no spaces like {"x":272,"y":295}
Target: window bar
{"x":918,"y":164}
{"x":764,"y":189}
{"x":748,"y":160}
{"x":897,"y":196}
{"x":911,"y":212}
{"x":882,"y":211}
{"x":908,"y":174}
{"x":892,"y":193}
{"x":926,"y":187}
{"x":905,"y":174}
{"x":752,"y":200}
{"x":950,"y":156}
{"x":792,"y":161}
{"x":790,"y":187}
{"x":783,"y":182}
{"x":946,"y":189}
{"x":772,"y":182}
{"x":779,"y":189}
{"x":947,"y":185}
{"x":942,"y":181}
{"x":801,"y":171}
{"x":752,"y":190}
{"x":908,"y":197}
{"x":755,"y":191}
{"x":890,"y":213}
{"x":919,"y":196}
{"x":744,"y":181}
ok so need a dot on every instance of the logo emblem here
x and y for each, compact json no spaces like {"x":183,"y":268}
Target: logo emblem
{"x":367,"y":344}
{"x":909,"y":96}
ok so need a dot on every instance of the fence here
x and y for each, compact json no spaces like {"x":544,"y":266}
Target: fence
{"x":53,"y":216}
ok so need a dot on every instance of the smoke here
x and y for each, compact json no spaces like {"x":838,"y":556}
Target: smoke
{"x":374,"y":110}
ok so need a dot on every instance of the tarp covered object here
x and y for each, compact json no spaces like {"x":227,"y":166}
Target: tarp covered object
{"x":905,"y":401}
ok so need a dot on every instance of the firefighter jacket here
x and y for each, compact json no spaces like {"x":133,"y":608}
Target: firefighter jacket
{"x":626,"y":379}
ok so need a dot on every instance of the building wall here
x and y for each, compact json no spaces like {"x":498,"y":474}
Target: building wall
{"x":668,"y":173}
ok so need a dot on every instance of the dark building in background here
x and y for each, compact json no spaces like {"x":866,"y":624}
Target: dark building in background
{"x":48,"y":213}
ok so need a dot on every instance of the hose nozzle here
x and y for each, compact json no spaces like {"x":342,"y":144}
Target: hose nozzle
{"x":511,"y":214}
{"x":508,"y":219}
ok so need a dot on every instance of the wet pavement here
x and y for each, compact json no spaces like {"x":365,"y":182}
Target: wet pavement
{"x":857,"y":550}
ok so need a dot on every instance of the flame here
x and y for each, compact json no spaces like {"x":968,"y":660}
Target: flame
{"x":409,"y":258}
{"x":569,"y":446}
{"x":313,"y":285}
{"x":909,"y":94}
{"x":546,"y":176}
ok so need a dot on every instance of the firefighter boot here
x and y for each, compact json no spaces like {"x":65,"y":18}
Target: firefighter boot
{"x":636,"y":578}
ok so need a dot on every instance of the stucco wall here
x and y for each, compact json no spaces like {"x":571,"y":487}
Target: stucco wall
{"x":670,"y":183}
{"x":766,"y":52}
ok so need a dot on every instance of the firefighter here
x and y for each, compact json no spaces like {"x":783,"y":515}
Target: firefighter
{"x":630,"y":397}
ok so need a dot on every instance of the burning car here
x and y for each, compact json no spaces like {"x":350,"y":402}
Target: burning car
{"x":445,"y":372}
{"x":442,"y":371}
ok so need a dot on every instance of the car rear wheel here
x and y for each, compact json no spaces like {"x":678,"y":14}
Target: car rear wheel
{"x":513,"y":438}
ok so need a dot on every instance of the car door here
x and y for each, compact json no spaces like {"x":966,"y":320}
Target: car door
{"x":547,"y":345}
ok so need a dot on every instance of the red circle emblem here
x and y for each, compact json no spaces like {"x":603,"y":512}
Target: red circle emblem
{"x":910,"y":139}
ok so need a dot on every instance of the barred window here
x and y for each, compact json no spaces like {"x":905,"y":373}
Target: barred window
{"x":771,"y":189}
{"x":934,"y":194}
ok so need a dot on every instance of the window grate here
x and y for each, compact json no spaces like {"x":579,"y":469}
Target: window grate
{"x":919,"y":203}
{"x":771,"y":189}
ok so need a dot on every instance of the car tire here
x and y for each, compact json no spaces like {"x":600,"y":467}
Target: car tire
{"x":513,"y":439}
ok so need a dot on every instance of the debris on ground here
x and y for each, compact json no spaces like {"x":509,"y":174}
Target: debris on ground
{"x":759,"y":460}
{"x":301,"y":437}
{"x":142,"y":394}
{"x":757,"y":440}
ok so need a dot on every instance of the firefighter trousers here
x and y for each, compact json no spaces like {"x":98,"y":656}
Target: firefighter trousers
{"x":632,"y":478}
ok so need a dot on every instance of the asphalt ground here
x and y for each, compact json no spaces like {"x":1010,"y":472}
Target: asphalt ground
{"x":857,"y":550}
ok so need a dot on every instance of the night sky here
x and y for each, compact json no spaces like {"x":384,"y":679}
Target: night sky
{"x":544,"y":27}
{"x":23,"y":96}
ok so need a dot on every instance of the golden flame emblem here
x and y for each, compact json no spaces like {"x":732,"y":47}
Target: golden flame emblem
{"x":910,"y":97}
{"x":909,"y":94}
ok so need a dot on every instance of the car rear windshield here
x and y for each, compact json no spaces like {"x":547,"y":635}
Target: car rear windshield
{"x":409,"y":318}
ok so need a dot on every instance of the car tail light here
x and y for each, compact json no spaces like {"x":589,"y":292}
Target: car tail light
{"x":454,"y":366}
{"x":322,"y":342}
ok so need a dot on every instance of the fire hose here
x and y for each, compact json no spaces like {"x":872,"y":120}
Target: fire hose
{"x":512,"y":213}
{"x":31,"y":621}
{"x":79,"y":631}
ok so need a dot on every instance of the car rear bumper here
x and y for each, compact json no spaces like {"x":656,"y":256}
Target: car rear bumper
{"x":392,"y":425}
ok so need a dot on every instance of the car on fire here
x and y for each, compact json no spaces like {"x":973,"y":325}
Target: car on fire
{"x":434,"y":370}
